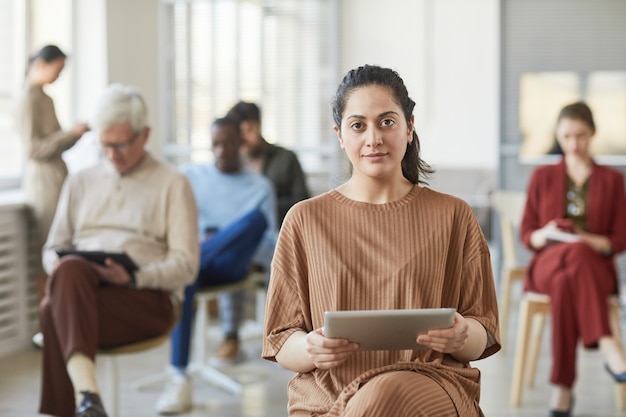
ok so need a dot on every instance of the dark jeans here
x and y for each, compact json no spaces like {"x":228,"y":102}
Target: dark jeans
{"x":224,"y":258}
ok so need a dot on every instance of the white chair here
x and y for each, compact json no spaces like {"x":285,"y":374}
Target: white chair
{"x":200,"y":366}
{"x":111,"y":359}
{"x":509,"y":206}
{"x":534,"y":308}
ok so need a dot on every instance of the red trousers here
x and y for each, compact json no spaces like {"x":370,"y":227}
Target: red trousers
{"x":80,"y":313}
{"x":579,"y":282}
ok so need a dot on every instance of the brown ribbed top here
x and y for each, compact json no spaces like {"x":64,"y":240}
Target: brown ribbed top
{"x":425,"y":250}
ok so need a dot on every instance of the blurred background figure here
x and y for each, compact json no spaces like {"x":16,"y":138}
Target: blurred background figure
{"x":129,"y":202}
{"x":44,"y":141}
{"x":279,"y":164}
{"x":586,"y":200}
{"x":236,"y":228}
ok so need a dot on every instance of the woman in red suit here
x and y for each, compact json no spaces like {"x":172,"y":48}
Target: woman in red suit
{"x":582,"y":198}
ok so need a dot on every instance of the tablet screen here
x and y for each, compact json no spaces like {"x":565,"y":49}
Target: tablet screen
{"x":386,"y":329}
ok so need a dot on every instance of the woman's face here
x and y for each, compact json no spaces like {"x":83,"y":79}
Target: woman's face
{"x":48,"y":72}
{"x":574,"y":137}
{"x":374,"y":132}
{"x":251,"y":134}
{"x":225,"y":144}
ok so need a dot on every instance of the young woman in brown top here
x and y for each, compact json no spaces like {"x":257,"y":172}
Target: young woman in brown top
{"x":380,"y":241}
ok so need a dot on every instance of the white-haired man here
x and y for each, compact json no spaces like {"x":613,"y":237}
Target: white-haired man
{"x":132,"y":203}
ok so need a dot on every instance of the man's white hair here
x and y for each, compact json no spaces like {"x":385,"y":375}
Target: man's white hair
{"x":120,"y":104}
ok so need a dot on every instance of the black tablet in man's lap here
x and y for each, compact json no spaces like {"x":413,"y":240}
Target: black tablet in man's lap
{"x":99,"y":256}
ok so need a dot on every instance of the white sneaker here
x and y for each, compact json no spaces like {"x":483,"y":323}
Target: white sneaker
{"x":176,"y":398}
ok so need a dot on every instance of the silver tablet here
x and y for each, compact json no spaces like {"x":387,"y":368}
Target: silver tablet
{"x":386,"y":329}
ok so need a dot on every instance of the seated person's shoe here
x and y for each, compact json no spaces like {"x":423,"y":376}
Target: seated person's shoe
{"x":620,"y":378}
{"x":38,"y":340}
{"x":90,"y":406}
{"x":229,"y":353}
{"x":177,"y":396}
{"x":565,"y":413}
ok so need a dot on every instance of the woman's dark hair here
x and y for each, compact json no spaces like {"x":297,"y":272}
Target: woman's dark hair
{"x":413,"y":167}
{"x":578,"y":111}
{"x":48,"y":53}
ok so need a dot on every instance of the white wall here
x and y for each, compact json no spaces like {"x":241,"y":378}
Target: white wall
{"x":133,"y":46}
{"x":115,"y":41}
{"x":89,"y":65}
{"x":447,"y":53}
{"x":445,"y":50}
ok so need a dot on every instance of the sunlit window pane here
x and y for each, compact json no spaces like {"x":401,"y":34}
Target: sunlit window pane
{"x":276,"y":53}
{"x":10,"y":154}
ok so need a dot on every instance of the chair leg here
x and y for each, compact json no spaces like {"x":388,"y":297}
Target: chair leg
{"x":200,"y":367}
{"x":538,"y":322}
{"x":200,"y":328}
{"x":217,"y":378}
{"x":505,"y":304}
{"x":523,"y":331}
{"x":112,"y":386}
{"x":261,"y":296}
{"x":616,"y":330}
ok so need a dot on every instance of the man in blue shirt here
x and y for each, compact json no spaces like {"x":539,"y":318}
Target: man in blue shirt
{"x":237,"y":227}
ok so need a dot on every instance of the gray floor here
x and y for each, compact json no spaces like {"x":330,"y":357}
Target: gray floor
{"x":264,"y":394}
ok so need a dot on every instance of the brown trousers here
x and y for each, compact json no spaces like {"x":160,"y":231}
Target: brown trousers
{"x":400,"y":394}
{"x":579,"y":286}
{"x":80,"y":313}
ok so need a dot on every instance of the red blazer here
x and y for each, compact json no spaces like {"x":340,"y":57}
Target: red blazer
{"x":606,"y":204}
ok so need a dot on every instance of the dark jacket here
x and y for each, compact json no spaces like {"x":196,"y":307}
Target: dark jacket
{"x":281,"y":166}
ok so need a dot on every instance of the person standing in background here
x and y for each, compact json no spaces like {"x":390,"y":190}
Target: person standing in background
{"x":278,"y":164}
{"x":44,"y":141}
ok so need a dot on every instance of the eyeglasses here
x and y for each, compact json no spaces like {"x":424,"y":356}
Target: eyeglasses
{"x":120,"y":146}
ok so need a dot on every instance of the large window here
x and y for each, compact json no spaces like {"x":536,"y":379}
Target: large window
{"x":10,"y":77}
{"x":26,"y":26}
{"x":543,"y":94}
{"x":280,"y":54}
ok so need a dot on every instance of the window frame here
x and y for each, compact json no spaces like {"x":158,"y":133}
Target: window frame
{"x":322,"y":149}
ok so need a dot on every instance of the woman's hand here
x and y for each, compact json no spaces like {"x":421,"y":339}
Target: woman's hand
{"x":598,"y":243}
{"x":303,"y":352}
{"x":466,"y":340}
{"x":539,"y":238}
{"x":326,"y":352}
{"x":448,"y":340}
{"x":79,"y":130}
